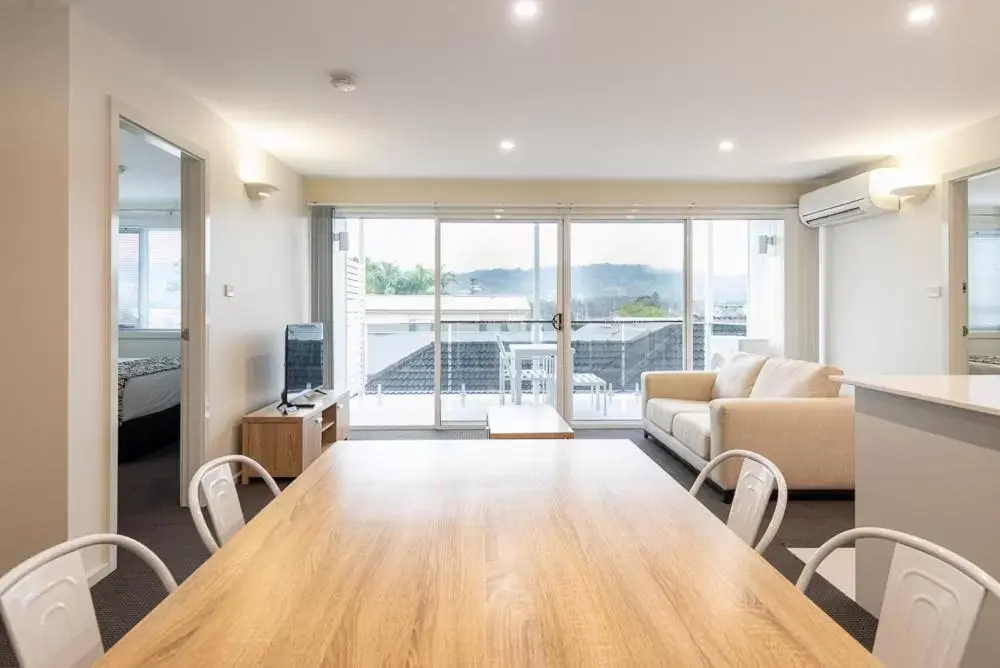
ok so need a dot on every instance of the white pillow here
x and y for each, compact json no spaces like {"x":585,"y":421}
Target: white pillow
{"x":796,"y":379}
{"x":736,"y":377}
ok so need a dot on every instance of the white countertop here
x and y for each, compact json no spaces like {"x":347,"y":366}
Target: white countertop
{"x":974,"y":393}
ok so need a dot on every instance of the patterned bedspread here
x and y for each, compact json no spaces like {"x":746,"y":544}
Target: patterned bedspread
{"x":984,"y":359}
{"x":129,"y":369}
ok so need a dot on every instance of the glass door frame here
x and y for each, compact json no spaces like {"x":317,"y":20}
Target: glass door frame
{"x":499,"y":216}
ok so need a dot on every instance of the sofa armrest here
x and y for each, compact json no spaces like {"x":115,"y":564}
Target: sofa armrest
{"x":687,"y":385}
{"x":810,"y":440}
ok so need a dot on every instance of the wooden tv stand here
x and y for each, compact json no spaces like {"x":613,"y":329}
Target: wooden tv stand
{"x":286,"y":444}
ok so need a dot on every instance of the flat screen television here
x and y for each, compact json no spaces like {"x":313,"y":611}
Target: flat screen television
{"x":303,"y":359}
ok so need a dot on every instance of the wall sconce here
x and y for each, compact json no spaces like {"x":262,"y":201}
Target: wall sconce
{"x":258,"y":191}
{"x":913,"y":194}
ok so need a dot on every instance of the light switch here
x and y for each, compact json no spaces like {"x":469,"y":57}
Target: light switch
{"x":934,"y":292}
{"x":229,"y":290}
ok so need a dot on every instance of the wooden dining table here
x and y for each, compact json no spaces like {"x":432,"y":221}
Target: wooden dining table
{"x":487,"y":553}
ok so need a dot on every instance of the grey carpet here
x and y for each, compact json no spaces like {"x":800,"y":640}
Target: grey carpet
{"x":148,"y":512}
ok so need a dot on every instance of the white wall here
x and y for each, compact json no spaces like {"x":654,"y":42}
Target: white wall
{"x":878,"y":316}
{"x":58,"y":74}
{"x":34,"y":272}
{"x":543,"y":192}
{"x":261,"y":248}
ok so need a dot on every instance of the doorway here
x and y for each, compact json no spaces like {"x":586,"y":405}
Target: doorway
{"x":157,"y":332}
{"x":979,"y":210}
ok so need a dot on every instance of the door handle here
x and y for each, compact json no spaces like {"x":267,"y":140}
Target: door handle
{"x":557,"y":321}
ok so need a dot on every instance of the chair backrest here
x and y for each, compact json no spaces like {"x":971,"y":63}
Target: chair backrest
{"x":47,"y":607}
{"x":932,"y":599}
{"x":756,"y":481}
{"x":215,"y":480}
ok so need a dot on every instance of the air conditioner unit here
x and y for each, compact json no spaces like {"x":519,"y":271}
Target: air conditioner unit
{"x":863,"y":196}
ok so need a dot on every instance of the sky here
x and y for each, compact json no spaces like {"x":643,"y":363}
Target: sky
{"x":468,"y":246}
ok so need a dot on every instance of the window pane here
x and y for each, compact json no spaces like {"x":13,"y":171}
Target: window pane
{"x":627,"y":290}
{"x":128,"y":280}
{"x":164,"y":256}
{"x":738,"y":288}
{"x":390,"y":322}
{"x":984,"y":280}
{"x":720,"y":260}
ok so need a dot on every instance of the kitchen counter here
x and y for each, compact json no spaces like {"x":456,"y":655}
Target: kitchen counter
{"x":975,"y":393}
{"x":927,"y":462}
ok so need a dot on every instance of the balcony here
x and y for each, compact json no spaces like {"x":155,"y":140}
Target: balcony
{"x":401,"y":370}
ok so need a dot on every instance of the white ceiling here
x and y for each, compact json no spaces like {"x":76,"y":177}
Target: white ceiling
{"x":152,"y":175}
{"x":592,"y":89}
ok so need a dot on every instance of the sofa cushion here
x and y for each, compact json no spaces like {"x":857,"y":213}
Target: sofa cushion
{"x":795,"y":379}
{"x":694,"y":430}
{"x":736,"y":377}
{"x":662,"y":412}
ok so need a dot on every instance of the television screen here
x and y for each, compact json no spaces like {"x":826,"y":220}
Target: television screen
{"x":303,"y":357}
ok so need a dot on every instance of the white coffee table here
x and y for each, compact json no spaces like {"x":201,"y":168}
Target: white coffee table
{"x":526,"y":422}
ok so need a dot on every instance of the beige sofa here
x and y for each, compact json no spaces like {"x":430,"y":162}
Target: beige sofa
{"x":787,"y":410}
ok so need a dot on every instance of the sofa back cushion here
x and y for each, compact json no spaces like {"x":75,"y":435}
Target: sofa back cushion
{"x":795,"y":379}
{"x":736,"y":377}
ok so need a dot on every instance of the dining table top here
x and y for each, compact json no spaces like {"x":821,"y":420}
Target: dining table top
{"x":487,"y":553}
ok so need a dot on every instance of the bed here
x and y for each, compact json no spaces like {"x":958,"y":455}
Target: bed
{"x":984,"y":365}
{"x":149,"y":399}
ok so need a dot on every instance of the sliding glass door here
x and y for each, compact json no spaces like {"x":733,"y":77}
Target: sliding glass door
{"x":498,"y":300}
{"x":438,"y":319}
{"x":627,"y":312}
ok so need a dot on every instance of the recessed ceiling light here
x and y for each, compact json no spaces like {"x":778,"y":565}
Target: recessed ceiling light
{"x":507,"y":145}
{"x":727,"y":145}
{"x":526,"y":9}
{"x":921,"y":14}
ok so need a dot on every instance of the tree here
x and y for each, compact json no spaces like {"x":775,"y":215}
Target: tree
{"x":386,"y":278}
{"x":417,"y":281}
{"x":643,"y":307}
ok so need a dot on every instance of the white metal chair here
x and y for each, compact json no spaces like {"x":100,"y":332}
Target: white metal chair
{"x":47,"y":607}
{"x":506,"y":360}
{"x":932,"y":599}
{"x":542,"y":377}
{"x":215,"y":480}
{"x":757,"y":478}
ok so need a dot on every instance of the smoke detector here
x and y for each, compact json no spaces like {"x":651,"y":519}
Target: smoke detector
{"x":343,"y":81}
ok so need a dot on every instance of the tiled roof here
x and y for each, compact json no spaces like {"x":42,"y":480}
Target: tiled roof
{"x":475,"y":364}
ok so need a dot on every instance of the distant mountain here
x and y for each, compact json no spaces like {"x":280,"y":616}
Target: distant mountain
{"x":596,"y":281}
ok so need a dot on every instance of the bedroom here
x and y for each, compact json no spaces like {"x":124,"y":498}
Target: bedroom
{"x":149,"y":318}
